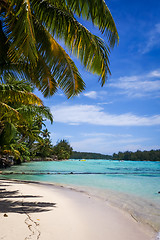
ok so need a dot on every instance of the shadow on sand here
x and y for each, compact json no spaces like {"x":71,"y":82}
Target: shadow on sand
{"x":13,"y":201}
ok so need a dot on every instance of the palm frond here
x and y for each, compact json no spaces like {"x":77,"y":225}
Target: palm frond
{"x":19,"y":97}
{"x":96,"y":11}
{"x":18,"y":71}
{"x":7,"y":111}
{"x":29,"y":33}
{"x":100,"y":15}
{"x":92,"y":51}
{"x":30,"y":111}
{"x":46,"y":82}
{"x":21,"y":32}
{"x":12,"y":94}
{"x":55,"y":66}
{"x":4,"y":46}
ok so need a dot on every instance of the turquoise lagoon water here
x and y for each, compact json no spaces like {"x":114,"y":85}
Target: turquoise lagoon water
{"x":131,"y":185}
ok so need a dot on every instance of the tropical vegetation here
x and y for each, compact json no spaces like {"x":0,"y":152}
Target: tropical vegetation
{"x":62,"y":149}
{"x":29,"y":47}
{"x":89,"y":155}
{"x":22,"y":116}
{"x":152,"y":155}
{"x":31,"y":35}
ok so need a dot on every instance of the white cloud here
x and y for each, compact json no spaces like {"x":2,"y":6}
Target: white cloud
{"x":102,"y":145}
{"x":152,"y":40}
{"x":155,"y":73}
{"x":140,"y":85}
{"x":91,"y":94}
{"x":74,"y":123}
{"x":105,"y":103}
{"x":96,"y":95}
{"x":107,"y":135}
{"x":95,"y":115}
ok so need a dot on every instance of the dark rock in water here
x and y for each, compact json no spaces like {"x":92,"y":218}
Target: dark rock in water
{"x":71,"y":172}
{"x":159,"y":192}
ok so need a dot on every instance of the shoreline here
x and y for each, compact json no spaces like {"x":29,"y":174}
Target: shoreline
{"x":92,"y":218}
{"x":140,"y":209}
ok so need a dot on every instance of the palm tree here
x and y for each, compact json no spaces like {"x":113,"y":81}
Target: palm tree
{"x":14,"y":93}
{"x":31,"y":129}
{"x":45,"y":133}
{"x":28,"y":45}
{"x":19,"y":115}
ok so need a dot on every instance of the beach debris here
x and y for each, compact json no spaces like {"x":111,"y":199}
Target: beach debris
{"x":5,"y":215}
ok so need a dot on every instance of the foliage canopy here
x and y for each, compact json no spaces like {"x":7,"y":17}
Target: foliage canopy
{"x":62,"y":149}
{"x":28,"y":45}
{"x":21,"y":118}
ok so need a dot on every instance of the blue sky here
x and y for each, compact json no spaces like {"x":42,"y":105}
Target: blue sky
{"x":125,"y":113}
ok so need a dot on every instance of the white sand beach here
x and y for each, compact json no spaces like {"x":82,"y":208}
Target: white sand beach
{"x":40,"y":211}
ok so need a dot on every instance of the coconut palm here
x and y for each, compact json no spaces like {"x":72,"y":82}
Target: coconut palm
{"x":19,"y":115}
{"x":14,"y":93}
{"x":31,"y":129}
{"x":29,"y":30}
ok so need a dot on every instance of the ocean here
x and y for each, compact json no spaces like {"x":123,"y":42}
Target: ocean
{"x":133,"y":186}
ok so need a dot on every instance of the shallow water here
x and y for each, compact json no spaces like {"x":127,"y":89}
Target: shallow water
{"x":130,"y":185}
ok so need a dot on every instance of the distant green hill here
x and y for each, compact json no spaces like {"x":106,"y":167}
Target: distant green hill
{"x":88,"y":155}
{"x":152,"y":155}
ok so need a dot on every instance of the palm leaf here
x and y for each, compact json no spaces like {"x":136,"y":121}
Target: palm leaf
{"x":21,"y":32}
{"x":44,"y":61}
{"x":4,"y":46}
{"x":98,"y":12}
{"x":46,"y":82}
{"x":92,"y":51}
{"x":30,"y":111}
{"x":11,"y":94}
{"x":62,"y":67}
{"x":7,"y":111}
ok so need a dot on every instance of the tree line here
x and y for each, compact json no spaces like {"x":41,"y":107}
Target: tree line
{"x":39,"y":149}
{"x":152,"y":155}
{"x":88,"y":155}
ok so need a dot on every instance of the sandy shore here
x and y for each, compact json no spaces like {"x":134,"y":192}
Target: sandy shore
{"x":45,"y":212}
